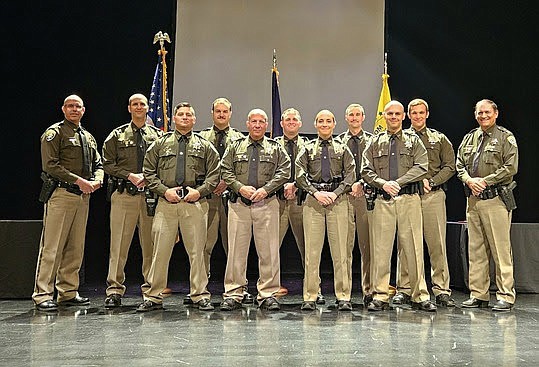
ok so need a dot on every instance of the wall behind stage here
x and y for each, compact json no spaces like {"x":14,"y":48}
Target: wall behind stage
{"x":451,"y":54}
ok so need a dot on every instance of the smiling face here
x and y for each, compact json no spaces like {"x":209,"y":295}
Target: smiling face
{"x":73,"y":109}
{"x":138,"y":107}
{"x":325,"y":124}
{"x":486,"y":113}
{"x":291,"y":122}
{"x":354,"y":116}
{"x":394,"y":115}
{"x":257,"y":123}
{"x":418,"y":115}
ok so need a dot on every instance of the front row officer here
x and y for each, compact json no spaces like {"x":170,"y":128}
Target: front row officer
{"x":395,"y":162}
{"x":254,"y":168}
{"x":326,"y":170}
{"x":181,"y":168}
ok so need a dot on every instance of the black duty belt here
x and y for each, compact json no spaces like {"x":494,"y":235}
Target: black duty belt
{"x":72,"y":188}
{"x":410,"y":189}
{"x":490,"y":192}
{"x":326,"y":186}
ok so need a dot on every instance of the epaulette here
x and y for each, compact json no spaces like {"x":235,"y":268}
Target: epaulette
{"x":503,"y":129}
{"x":153,"y":127}
{"x":197,"y":134}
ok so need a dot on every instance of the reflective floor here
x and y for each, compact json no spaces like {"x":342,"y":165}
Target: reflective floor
{"x":180,"y":335}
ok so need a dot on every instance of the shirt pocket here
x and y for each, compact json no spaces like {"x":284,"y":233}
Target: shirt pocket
{"x":380,"y":159}
{"x":196,"y":161}
{"x":241,"y":164}
{"x":405,"y":157}
{"x":267,"y":166}
{"x":492,"y":154}
{"x":467,"y":153}
{"x":167,"y":160}
{"x":126,"y":148}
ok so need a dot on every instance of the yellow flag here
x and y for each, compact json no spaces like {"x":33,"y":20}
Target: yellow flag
{"x":385,"y":97}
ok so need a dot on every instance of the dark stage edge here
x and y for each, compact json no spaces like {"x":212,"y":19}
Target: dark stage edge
{"x":180,"y":335}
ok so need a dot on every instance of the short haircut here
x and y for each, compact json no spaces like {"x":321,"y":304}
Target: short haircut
{"x":257,"y":111}
{"x":417,"y":102}
{"x":352,"y":106}
{"x":290,"y":111}
{"x":221,"y":100}
{"x":184,"y":104}
{"x":490,"y":102}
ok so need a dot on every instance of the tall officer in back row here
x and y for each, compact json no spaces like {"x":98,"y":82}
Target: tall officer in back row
{"x":325,"y":169}
{"x":123,"y":156}
{"x":441,"y":169}
{"x":254,"y":168}
{"x":182,"y":168}
{"x":395,"y":162}
{"x":221,"y":135}
{"x":356,"y":138}
{"x":487,"y":160}
{"x":72,"y":170}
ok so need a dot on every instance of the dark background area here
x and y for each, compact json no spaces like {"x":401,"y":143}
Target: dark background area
{"x":450,"y":53}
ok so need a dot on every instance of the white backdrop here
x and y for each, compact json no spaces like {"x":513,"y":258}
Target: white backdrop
{"x":329,"y":54}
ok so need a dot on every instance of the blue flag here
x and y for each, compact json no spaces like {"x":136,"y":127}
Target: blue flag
{"x":276,"y":128}
{"x":159,"y":110}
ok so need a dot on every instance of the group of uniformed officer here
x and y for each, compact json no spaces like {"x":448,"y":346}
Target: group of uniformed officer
{"x":221,"y":181}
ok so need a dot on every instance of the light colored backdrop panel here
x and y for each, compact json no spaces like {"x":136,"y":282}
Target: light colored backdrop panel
{"x":329,"y":54}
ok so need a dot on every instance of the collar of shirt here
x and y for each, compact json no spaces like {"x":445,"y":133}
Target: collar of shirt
{"x":216,"y":130}
{"x":178,"y":135}
{"x":252,"y":142}
{"x":423,"y":131}
{"x":294,"y":139}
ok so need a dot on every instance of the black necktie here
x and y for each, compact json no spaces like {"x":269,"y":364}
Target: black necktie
{"x":325,"y":169}
{"x":393,"y":158}
{"x":477,"y":155}
{"x":357,"y":157}
{"x":141,"y":149}
{"x":220,"y":142}
{"x":85,"y":154}
{"x":253,"y":166}
{"x":180,"y":160}
{"x":290,"y":150}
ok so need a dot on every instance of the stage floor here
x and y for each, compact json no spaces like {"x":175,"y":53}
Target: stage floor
{"x":180,"y":335}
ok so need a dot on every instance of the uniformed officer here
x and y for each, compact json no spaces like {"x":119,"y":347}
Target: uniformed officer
{"x":71,"y":163}
{"x":254,"y":168}
{"x":182,"y":168}
{"x":356,"y":138}
{"x":395,"y":162}
{"x":325,"y":168}
{"x":290,"y":200}
{"x":123,"y":155}
{"x":221,"y":135}
{"x":441,"y":169}
{"x":487,"y":160}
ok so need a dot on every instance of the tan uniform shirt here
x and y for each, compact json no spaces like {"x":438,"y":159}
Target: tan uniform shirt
{"x":231,"y":135}
{"x":299,"y":142}
{"x":413,"y":159}
{"x":364,"y":137}
{"x":273,"y":166}
{"x":498,"y":162}
{"x":120,"y":149}
{"x":202,"y":162}
{"x":61,"y":153}
{"x":440,"y":153}
{"x":309,"y":165}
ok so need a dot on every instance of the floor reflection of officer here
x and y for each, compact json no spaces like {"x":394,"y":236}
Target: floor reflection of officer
{"x":290,"y":207}
{"x":182,"y":168}
{"x":254,"y":168}
{"x":123,"y":155}
{"x":356,"y":138}
{"x":487,"y":160}
{"x":325,"y":169}
{"x":441,"y":169}
{"x":72,"y":170}
{"x":394,"y":162}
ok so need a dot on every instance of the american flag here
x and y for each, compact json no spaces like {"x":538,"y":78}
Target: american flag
{"x":159,"y":104}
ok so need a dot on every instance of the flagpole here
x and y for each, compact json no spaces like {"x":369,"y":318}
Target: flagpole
{"x":276,"y":129}
{"x":162,"y":37}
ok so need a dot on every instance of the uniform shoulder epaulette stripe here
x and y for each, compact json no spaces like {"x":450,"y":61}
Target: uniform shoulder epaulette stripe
{"x":154,"y":128}
{"x":501,"y":128}
{"x":197,"y":134}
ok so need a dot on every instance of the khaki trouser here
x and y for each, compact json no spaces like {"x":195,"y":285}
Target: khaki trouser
{"x":192,"y":219}
{"x":316,"y":219}
{"x":61,"y":249}
{"x":401,"y":214}
{"x":291,"y":215}
{"x":359,"y":223}
{"x":127,"y":212}
{"x":217,"y":223}
{"x":261,"y":220}
{"x":434,"y":231}
{"x":489,"y":225}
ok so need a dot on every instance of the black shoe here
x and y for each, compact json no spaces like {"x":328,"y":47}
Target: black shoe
{"x":149,"y":306}
{"x":112,"y":301}
{"x":424,"y":306}
{"x":248,"y":298}
{"x":187,"y":300}
{"x":377,"y":305}
{"x":474,"y":303}
{"x":75,"y":301}
{"x":270,"y":304}
{"x":344,"y":306}
{"x":367,"y":299}
{"x":49,"y":305}
{"x":308,"y":306}
{"x":445,"y":300}
{"x":502,"y":305}
{"x":204,"y":304}
{"x":320,"y":299}
{"x":401,"y":299}
{"x":229,"y":304}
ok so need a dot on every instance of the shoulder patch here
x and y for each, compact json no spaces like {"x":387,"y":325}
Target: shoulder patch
{"x":50,"y":134}
{"x":511,"y":139}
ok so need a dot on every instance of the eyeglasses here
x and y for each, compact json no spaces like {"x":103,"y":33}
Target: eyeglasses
{"x":73,"y":106}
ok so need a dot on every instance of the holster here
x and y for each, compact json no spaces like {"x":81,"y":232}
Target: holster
{"x":301,"y":195}
{"x":225,"y":196}
{"x":112,"y":184}
{"x":506,"y":194}
{"x":121,"y":185}
{"x":151,"y":202}
{"x":370,"y":196}
{"x":47,"y":188}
